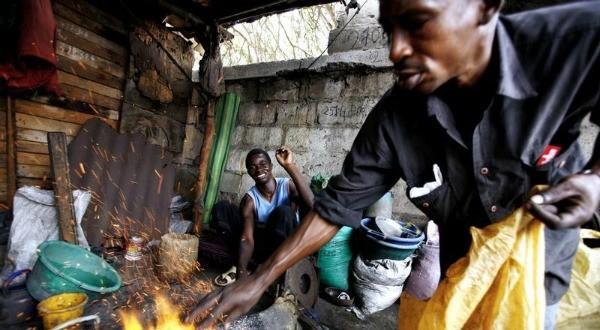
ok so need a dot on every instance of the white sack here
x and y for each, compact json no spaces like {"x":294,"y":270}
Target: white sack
{"x":35,"y":220}
{"x":378,"y":283}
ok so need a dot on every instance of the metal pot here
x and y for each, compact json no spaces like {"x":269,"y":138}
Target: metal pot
{"x":16,"y":304}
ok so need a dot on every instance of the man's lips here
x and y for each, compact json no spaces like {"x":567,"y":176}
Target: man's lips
{"x":408,"y":79}
{"x":406,"y":73}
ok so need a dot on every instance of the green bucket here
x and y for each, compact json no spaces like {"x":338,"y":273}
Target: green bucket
{"x":64,"y":267}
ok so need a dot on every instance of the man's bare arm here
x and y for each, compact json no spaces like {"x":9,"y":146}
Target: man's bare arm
{"x":300,"y":187}
{"x":247,"y":237}
{"x":236,"y":299}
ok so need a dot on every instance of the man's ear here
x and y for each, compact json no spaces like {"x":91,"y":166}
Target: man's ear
{"x":489,"y":8}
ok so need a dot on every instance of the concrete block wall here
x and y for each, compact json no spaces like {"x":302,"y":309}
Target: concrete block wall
{"x":317,"y":114}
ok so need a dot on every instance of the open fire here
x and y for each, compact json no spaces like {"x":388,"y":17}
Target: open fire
{"x":167,"y":318}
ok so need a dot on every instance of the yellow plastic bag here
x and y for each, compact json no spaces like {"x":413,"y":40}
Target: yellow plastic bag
{"x":580,"y":307}
{"x":499,"y":284}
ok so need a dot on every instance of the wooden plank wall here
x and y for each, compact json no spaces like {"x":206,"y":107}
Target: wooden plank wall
{"x":93,"y":52}
{"x":3,"y":151}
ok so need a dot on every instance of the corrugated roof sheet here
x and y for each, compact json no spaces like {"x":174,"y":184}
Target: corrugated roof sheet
{"x":131,"y":182}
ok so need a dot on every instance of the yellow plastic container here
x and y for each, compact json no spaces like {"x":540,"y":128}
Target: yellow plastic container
{"x":61,"y":308}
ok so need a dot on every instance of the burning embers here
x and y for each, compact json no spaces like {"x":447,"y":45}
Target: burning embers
{"x":167,"y":318}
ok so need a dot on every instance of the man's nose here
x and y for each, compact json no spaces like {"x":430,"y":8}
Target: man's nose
{"x":400,"y":46}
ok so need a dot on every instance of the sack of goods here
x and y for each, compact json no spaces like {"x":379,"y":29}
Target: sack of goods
{"x":384,"y":263}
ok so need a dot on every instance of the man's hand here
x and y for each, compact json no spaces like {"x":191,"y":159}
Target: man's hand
{"x":284,"y":156}
{"x":235,"y":299}
{"x":568,"y":204}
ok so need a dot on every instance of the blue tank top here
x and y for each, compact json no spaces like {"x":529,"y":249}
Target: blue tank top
{"x":262,"y":207}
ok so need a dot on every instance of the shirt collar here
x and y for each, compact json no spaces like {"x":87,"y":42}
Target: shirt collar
{"x":512,"y":80}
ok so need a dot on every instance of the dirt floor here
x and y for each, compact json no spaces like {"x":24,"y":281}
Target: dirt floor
{"x":135,"y":296}
{"x":331,"y":316}
{"x":140,"y":287}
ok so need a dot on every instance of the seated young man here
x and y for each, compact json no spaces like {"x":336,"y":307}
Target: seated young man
{"x":268,"y":213}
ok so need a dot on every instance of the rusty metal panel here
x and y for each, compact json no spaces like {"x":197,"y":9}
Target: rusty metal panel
{"x":130,"y":179}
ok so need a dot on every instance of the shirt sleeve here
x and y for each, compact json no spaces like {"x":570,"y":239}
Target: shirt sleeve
{"x":368,"y":172}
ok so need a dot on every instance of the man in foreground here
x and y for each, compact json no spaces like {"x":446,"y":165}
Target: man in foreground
{"x":496,"y":102}
{"x":267,"y":214}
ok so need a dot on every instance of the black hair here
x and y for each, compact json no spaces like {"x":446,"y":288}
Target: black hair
{"x":257,"y":151}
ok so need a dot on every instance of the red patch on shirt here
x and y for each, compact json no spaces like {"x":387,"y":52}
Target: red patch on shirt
{"x":549,"y":154}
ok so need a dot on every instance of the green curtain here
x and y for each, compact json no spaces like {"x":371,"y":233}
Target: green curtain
{"x":226,"y":111}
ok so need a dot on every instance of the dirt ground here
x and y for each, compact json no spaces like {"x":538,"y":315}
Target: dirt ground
{"x":332,"y":316}
{"x":140,"y":285}
{"x":135,"y":297}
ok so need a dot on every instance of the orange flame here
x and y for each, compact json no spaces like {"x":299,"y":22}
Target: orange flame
{"x":167,"y":318}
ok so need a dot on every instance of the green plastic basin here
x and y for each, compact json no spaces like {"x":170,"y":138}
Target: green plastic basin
{"x":65,"y":267}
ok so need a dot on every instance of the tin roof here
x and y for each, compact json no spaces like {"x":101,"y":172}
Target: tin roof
{"x":131,"y":182}
{"x":192,"y":14}
{"x":233,"y":11}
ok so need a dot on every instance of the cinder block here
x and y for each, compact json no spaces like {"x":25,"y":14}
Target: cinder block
{"x":231,"y":182}
{"x":250,"y":113}
{"x":263,"y":137}
{"x":385,"y":81}
{"x":321,"y":88}
{"x":275,"y":137}
{"x":298,"y":138}
{"x":278,"y":89}
{"x":368,"y":36}
{"x":246,"y":89}
{"x":325,"y":162}
{"x":349,"y":111}
{"x":300,"y":159}
{"x":269,"y":113}
{"x":334,"y":138}
{"x":236,"y":160}
{"x":365,"y":85}
{"x":292,"y":113}
{"x":311,"y":114}
{"x":237,"y":137}
{"x":320,"y":139}
{"x":255,"y":137}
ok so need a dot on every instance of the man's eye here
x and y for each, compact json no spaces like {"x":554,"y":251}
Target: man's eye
{"x":414,"y":24}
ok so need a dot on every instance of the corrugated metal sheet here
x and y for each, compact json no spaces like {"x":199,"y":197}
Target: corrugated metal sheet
{"x":229,"y":11}
{"x":192,"y":13}
{"x":131,"y":182}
